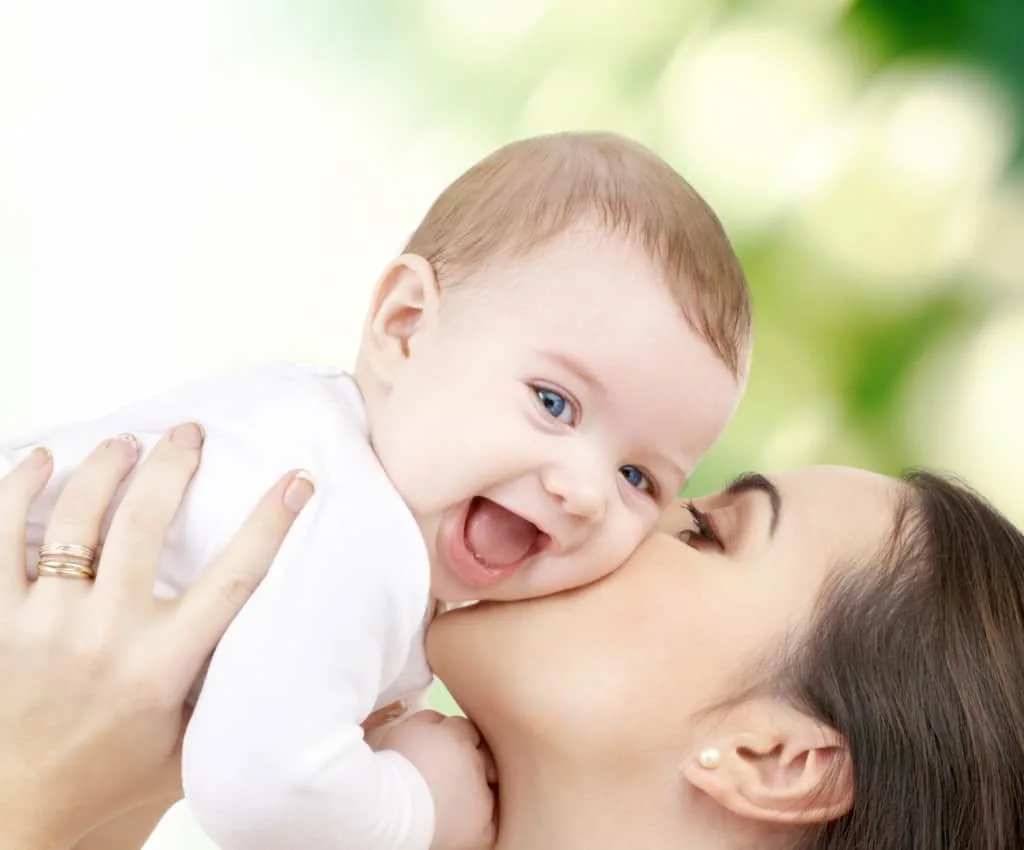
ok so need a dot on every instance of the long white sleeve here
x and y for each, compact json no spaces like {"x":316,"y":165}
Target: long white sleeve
{"x":274,"y":755}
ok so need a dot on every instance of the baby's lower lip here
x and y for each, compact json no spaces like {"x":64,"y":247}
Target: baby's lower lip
{"x":459,"y":560}
{"x":465,"y":564}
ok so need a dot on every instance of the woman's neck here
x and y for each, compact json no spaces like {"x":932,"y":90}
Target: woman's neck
{"x":550,"y":816}
{"x":546,"y":808}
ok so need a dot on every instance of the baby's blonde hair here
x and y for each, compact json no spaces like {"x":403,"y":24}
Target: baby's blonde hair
{"x":533,"y":190}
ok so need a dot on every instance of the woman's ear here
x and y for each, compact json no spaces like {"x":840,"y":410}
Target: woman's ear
{"x":775,"y":764}
{"x":405,"y":305}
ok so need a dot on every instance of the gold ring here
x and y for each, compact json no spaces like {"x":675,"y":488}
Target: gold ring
{"x":72,"y":550}
{"x":64,"y":569}
{"x":66,"y":560}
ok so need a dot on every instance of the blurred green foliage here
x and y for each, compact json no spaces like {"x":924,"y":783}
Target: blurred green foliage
{"x":847,"y":337}
{"x":989,"y":34}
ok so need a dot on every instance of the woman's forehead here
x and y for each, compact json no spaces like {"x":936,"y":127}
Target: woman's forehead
{"x":835,"y":497}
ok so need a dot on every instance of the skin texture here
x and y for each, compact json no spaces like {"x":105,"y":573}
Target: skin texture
{"x":464,"y":370}
{"x":600,"y":700}
{"x":96,"y":674}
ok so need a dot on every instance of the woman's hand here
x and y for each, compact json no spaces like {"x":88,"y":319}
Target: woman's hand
{"x":96,"y":673}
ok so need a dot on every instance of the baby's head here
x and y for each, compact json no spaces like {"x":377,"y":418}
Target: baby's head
{"x":565,"y":336}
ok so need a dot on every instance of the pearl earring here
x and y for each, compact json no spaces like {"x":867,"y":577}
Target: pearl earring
{"x":710,"y":758}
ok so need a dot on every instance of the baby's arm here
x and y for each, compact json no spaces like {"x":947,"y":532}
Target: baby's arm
{"x":275,"y":756}
{"x":459,"y":769}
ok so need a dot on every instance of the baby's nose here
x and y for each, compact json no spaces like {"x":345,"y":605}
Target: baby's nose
{"x":578,"y":493}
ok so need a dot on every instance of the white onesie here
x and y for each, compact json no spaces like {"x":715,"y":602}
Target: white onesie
{"x":274,"y":755}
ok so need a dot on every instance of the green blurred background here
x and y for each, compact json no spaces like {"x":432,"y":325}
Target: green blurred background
{"x":867,"y":159}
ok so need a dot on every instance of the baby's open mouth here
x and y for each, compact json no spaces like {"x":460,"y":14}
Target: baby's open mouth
{"x":498,"y":538}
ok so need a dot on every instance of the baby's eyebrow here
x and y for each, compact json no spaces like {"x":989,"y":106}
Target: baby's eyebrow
{"x":578,"y":369}
{"x":755,"y":482}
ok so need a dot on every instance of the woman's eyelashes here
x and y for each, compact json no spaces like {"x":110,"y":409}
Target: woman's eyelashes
{"x":558,"y":405}
{"x":703,"y":531}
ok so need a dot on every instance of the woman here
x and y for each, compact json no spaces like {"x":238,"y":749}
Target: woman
{"x":825,"y":659}
{"x":96,"y":673}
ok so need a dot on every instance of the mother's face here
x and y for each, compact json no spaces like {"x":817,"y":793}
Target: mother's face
{"x":669,"y":632}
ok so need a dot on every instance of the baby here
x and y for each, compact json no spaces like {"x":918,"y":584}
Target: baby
{"x":564,"y":337}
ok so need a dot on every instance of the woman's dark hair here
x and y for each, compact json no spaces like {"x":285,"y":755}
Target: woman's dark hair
{"x":919,"y":664}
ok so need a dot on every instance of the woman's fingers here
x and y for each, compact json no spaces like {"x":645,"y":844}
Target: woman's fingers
{"x":81,"y":506}
{"x":131,"y":552}
{"x":207,"y":608}
{"x":18,"y":489}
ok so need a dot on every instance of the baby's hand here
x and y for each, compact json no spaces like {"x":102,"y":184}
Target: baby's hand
{"x":452,"y":758}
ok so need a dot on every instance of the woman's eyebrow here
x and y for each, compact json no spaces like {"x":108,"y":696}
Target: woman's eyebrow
{"x":754,"y":482}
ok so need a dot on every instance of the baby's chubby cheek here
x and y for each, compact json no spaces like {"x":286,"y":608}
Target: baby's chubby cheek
{"x":412,"y":474}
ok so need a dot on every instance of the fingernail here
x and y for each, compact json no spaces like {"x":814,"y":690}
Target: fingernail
{"x":124,"y":443}
{"x":37,"y":458}
{"x":299,"y":491}
{"x":188,"y":435}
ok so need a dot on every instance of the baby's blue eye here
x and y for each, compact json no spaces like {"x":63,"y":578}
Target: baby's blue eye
{"x":557,"y":405}
{"x":636,"y":477}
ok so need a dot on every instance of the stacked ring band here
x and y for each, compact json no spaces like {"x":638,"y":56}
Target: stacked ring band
{"x":67,"y":560}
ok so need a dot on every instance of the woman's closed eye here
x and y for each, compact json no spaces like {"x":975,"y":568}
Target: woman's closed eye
{"x":703,"y":532}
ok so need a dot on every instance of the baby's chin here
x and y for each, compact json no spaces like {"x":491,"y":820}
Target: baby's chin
{"x":452,"y":593}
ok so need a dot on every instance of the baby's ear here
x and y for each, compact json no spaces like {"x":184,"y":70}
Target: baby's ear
{"x":405,"y":305}
{"x":775,"y":765}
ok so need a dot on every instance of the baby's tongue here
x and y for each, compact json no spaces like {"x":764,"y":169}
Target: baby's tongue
{"x":497,"y":537}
